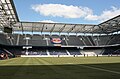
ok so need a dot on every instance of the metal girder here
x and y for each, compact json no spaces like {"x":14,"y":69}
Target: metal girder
{"x":71,"y":29}
{"x":62,"y":28}
{"x":8,"y":14}
{"x":52,"y":28}
{"x":42,"y":28}
{"x":111,"y":23}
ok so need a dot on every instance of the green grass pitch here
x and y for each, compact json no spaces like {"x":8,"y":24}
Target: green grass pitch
{"x":61,"y":68}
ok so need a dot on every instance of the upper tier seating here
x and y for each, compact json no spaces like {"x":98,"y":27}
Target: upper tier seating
{"x":74,"y":41}
{"x":37,"y":40}
{"x":44,"y":40}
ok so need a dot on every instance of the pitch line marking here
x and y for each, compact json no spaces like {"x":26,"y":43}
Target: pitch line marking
{"x":96,"y":68}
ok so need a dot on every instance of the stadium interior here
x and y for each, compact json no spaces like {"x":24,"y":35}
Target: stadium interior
{"x":41,"y":39}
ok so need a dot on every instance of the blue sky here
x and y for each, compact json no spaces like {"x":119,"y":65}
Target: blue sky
{"x":67,"y":11}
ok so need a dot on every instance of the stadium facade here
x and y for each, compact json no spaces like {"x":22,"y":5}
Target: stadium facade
{"x":19,"y":38}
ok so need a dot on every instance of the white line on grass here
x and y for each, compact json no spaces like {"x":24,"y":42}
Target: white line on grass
{"x":96,"y":68}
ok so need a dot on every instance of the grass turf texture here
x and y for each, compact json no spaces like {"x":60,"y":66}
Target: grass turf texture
{"x":61,"y":68}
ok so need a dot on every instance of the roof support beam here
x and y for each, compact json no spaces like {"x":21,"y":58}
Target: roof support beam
{"x":62,"y":28}
{"x":78,"y":30}
{"x":42,"y":28}
{"x":22,"y":27}
{"x":9,"y":9}
{"x":52,"y":28}
{"x":71,"y":29}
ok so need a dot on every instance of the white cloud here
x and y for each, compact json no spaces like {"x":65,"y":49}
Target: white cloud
{"x":48,"y":21}
{"x":107,"y":14}
{"x":60,"y":10}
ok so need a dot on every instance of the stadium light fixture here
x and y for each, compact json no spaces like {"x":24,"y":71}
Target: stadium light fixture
{"x":46,"y":27}
{"x":81,"y":39}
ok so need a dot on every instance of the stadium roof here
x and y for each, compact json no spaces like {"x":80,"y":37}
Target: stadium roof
{"x":110,"y":26}
{"x":54,"y":27}
{"x":8,"y":16}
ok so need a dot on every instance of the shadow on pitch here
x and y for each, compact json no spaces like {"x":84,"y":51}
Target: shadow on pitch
{"x":68,"y":71}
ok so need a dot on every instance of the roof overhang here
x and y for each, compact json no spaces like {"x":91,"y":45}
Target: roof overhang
{"x":55,"y":27}
{"x":8,"y":14}
{"x":111,"y":25}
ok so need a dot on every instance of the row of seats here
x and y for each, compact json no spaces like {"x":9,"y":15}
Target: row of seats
{"x":44,"y":40}
{"x":61,"y":51}
{"x":112,"y":51}
{"x":42,"y":51}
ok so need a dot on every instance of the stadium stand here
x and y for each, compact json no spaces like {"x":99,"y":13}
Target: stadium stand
{"x":57,"y":52}
{"x":64,"y":40}
{"x":57,"y":38}
{"x":40,"y":40}
{"x":37,"y":51}
{"x":74,"y":51}
{"x":114,"y":50}
{"x":37,"y":40}
{"x":114,"y":40}
{"x":4,"y":39}
{"x":74,"y":40}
